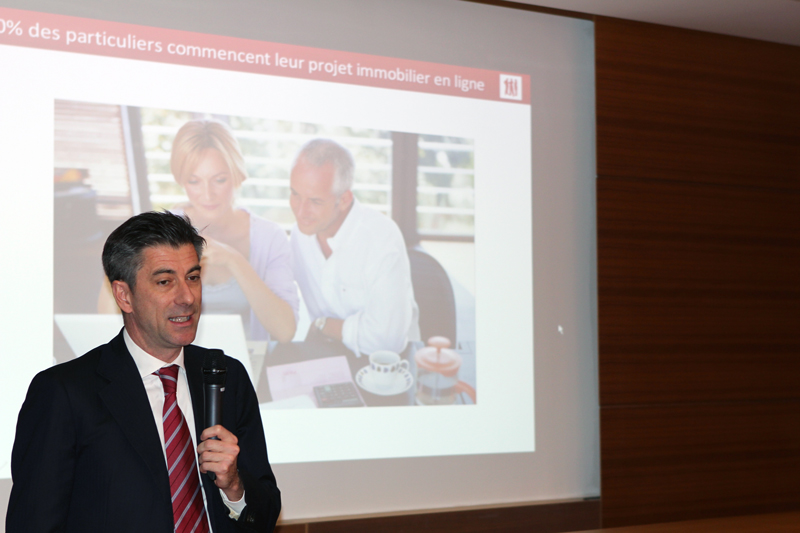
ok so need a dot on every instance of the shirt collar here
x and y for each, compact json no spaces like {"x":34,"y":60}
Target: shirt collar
{"x":347,"y":227}
{"x":146,"y":363}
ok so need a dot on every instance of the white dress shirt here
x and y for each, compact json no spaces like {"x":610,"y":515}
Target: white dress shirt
{"x":147,"y":364}
{"x":366,"y":281}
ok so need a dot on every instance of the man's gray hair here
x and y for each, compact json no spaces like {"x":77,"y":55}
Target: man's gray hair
{"x":320,"y":152}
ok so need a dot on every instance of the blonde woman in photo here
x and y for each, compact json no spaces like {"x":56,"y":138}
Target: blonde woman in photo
{"x":247,"y":262}
{"x":247,"y":259}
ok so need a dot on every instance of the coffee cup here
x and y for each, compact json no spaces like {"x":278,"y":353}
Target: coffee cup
{"x":385,"y":366}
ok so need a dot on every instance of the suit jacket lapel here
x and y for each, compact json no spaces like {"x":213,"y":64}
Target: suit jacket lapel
{"x":126,"y":400}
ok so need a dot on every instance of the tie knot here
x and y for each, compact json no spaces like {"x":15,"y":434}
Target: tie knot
{"x":169,"y":378}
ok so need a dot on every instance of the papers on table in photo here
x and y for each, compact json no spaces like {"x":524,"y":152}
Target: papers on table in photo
{"x":291,"y":382}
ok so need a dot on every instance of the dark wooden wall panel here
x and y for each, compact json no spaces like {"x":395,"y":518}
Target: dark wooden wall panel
{"x":553,"y":517}
{"x":547,"y":518}
{"x":681,"y":462}
{"x":700,"y":292}
{"x":687,"y":105}
{"x":698,"y":205}
{"x":292,"y":528}
{"x":772,"y":523}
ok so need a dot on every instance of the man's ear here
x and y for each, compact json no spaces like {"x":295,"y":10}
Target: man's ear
{"x":347,"y":199}
{"x":122,"y":295}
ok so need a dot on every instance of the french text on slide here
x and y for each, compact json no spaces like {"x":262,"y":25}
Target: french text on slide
{"x":75,"y":39}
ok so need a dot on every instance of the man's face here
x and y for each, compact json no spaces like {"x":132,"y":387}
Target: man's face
{"x":317,"y":209}
{"x":163,"y":312}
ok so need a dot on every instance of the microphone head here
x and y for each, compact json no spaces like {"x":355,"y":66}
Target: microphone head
{"x":215,"y":368}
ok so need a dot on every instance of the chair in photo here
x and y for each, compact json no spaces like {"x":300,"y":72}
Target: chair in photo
{"x":434,"y":295}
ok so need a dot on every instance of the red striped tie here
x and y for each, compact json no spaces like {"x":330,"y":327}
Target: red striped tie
{"x":188,"y":510}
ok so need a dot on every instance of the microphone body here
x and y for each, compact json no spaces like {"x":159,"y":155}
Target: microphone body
{"x":213,"y":404}
{"x":215,"y":370}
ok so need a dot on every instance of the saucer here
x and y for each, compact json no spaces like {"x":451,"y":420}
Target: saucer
{"x":366,"y":380}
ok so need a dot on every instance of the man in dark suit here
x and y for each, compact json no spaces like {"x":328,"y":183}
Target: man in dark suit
{"x":96,"y":448}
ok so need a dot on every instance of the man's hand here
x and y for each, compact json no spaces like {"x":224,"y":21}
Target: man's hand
{"x":220,"y":456}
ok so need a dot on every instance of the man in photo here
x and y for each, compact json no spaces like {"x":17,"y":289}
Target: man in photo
{"x":350,"y":261}
{"x":115,"y":441}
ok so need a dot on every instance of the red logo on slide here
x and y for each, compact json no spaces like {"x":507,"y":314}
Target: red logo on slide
{"x":510,"y":87}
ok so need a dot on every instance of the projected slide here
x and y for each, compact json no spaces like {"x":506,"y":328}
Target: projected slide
{"x":368,"y":223}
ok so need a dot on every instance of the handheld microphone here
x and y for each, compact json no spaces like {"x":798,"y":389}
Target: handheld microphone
{"x":215,"y":371}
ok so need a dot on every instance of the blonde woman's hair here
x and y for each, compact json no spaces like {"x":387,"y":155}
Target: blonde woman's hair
{"x":197,"y":136}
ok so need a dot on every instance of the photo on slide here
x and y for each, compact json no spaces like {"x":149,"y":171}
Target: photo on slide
{"x":373,"y":261}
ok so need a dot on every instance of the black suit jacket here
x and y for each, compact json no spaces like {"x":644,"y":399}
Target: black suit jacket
{"x":87,"y":456}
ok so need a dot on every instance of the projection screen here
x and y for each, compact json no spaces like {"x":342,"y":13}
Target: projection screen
{"x":470,"y":128}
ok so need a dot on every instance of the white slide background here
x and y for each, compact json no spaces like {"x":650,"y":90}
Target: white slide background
{"x":540,"y":209}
